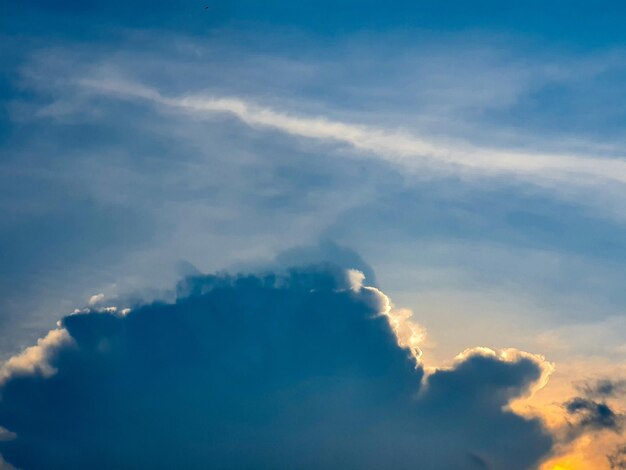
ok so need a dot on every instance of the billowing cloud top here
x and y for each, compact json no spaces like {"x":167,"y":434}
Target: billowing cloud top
{"x":297,"y":370}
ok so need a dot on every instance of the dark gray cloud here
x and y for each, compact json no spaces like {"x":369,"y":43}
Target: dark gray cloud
{"x":592,"y":411}
{"x":326,"y":251}
{"x":617,"y":459}
{"x":604,"y":388}
{"x":593,"y":415}
{"x":261,"y":371}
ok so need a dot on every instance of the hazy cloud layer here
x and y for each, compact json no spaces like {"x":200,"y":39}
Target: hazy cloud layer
{"x":111,"y":195}
{"x":474,"y":154}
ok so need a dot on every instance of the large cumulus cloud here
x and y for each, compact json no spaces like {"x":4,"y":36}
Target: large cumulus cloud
{"x":296,"y":370}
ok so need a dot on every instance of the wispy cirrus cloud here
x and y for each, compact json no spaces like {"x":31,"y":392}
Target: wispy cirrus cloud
{"x":398,"y":147}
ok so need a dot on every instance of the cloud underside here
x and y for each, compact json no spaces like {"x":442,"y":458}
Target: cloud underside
{"x":297,"y":370}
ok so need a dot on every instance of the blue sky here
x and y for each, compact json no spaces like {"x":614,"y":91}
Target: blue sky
{"x":468,"y":159}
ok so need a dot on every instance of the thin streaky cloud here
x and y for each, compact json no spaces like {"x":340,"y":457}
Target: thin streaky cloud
{"x":397,"y":147}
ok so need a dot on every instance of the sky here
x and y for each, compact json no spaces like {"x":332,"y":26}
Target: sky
{"x":312,"y":234}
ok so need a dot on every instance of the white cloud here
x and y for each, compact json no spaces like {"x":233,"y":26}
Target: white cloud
{"x":34,"y":360}
{"x":398,"y":147}
{"x":95,"y":299}
{"x":4,"y":465}
{"x":6,"y":435}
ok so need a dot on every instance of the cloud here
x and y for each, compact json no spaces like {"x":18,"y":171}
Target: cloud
{"x":296,"y":370}
{"x":592,"y":411}
{"x":221,"y":183}
{"x":604,"y":388}
{"x":593,"y":415}
{"x":591,"y":432}
{"x":326,"y":251}
{"x":96,"y":299}
{"x":4,"y":465}
{"x":6,"y":435}
{"x":617,"y":459}
{"x":35,"y":359}
{"x":401,"y":148}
